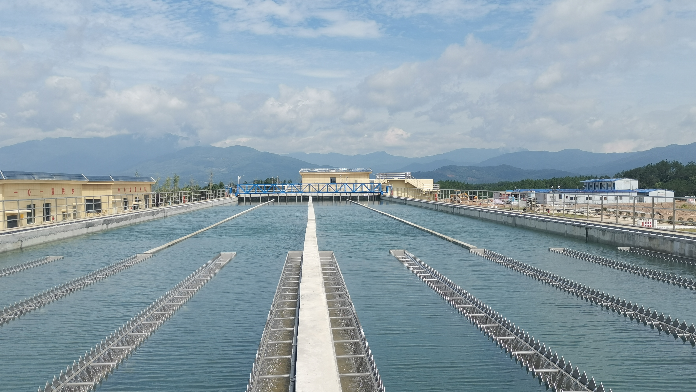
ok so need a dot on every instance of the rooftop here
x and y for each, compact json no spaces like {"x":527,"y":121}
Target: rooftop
{"x":42,"y":176}
{"x":607,"y":179}
{"x":336,"y":170}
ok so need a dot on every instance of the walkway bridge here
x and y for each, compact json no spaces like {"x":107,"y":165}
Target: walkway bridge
{"x":302,"y":192}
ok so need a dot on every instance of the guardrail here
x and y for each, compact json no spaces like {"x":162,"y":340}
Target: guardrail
{"x":318,"y":188}
{"x":659,"y":212}
{"x":34,"y":212}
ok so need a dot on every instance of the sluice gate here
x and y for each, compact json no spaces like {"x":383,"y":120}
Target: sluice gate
{"x":550,"y":368}
{"x":92,"y":368}
{"x":356,"y":365}
{"x":23,"y":307}
{"x":658,"y":255}
{"x":669,"y":278}
{"x":646,"y":316}
{"x":29,"y":264}
{"x":274,"y":367}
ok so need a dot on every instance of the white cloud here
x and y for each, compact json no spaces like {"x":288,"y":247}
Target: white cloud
{"x":10,"y":45}
{"x":294,"y":18}
{"x":394,"y":137}
{"x":599,"y":75}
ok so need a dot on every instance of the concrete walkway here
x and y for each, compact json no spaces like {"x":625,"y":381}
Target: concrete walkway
{"x":316,"y":368}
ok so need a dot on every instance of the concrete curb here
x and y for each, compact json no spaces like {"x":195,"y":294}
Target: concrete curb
{"x":662,"y":241}
{"x":54,"y":232}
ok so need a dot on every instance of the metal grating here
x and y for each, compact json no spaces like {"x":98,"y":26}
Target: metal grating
{"x":550,"y":368}
{"x":356,"y":365}
{"x":91,"y":369}
{"x":274,"y":366}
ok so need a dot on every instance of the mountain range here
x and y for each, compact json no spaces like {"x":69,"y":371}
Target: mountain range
{"x":164,"y":156}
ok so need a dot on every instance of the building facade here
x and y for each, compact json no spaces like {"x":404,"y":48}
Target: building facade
{"x":335,"y":176}
{"x":29,"y":198}
{"x":405,"y":185}
{"x":595,"y":191}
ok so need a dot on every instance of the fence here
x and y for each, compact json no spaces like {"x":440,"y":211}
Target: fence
{"x":357,"y":187}
{"x":31,"y":212}
{"x":438,"y":194}
{"x":666,"y":213}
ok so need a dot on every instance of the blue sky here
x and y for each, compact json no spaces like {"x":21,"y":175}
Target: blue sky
{"x":410,"y":77}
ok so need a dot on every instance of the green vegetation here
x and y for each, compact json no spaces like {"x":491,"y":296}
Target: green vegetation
{"x":563,"y":182}
{"x":172,"y":185}
{"x":672,"y":175}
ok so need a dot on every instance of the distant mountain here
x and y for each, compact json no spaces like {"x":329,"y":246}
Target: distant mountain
{"x":164,"y":156}
{"x":381,"y":162}
{"x":377,"y":161}
{"x":489,"y":174}
{"x":196,"y":163}
{"x":673,"y":152}
{"x":95,"y":156}
{"x":569,"y":160}
{"x":584,"y":162}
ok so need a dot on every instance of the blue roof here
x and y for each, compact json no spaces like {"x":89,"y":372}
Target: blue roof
{"x":606,"y":179}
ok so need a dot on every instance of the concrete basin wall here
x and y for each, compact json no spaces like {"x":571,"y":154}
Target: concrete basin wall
{"x":680,"y":244}
{"x":54,"y":232}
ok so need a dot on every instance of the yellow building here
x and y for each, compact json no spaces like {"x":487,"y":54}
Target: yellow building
{"x":30,"y":198}
{"x":404,"y":185}
{"x":335,"y":176}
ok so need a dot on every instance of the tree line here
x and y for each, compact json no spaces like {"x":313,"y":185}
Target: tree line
{"x":546,"y":183}
{"x":671,"y":175}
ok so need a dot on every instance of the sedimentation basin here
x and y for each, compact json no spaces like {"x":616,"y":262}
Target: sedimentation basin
{"x":419,"y":342}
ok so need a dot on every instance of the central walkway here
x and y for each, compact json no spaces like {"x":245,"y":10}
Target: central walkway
{"x":316,"y":360}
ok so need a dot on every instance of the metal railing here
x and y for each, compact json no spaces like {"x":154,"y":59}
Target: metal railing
{"x":657,"y":212}
{"x":267,"y":189}
{"x":34,"y":212}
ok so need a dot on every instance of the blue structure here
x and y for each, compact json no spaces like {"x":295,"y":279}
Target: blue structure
{"x":300,"y":192}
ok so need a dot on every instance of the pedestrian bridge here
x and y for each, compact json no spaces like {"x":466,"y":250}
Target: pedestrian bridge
{"x":302,"y":192}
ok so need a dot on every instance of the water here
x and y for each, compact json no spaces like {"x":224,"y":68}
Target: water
{"x":419,"y":342}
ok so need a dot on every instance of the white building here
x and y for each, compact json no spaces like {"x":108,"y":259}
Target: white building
{"x":596,"y":191}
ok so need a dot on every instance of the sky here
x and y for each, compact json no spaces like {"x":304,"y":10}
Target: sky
{"x":409,"y":77}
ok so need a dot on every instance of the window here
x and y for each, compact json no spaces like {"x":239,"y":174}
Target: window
{"x":332,"y":180}
{"x":125,"y":203}
{"x":93,"y":205}
{"x":31,"y":213}
{"x":46,"y":212}
{"x":12,"y":221}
